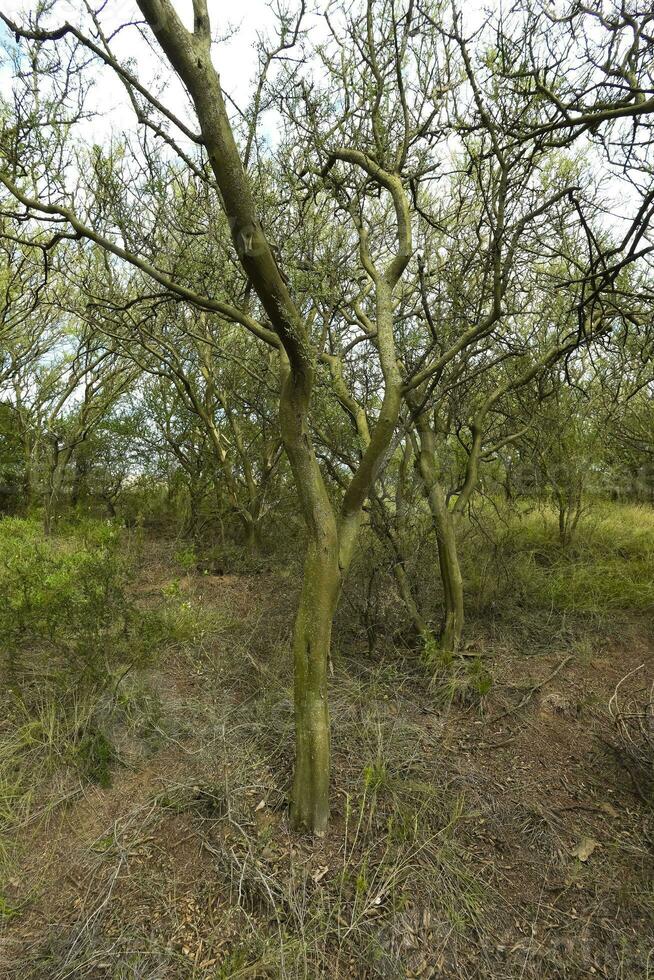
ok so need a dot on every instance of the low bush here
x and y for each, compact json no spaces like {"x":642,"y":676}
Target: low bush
{"x":69,"y":634}
{"x":65,"y":605}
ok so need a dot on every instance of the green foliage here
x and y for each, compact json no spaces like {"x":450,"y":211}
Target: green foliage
{"x":96,"y":756}
{"x":63,"y":598}
{"x":69,"y":635}
{"x":187,"y":558}
{"x":375,"y":775}
{"x":7,"y":911}
{"x":432,"y":652}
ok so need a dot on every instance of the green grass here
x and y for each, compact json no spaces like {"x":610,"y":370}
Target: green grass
{"x":184,"y":621}
{"x":69,"y":636}
{"x":608,"y":566}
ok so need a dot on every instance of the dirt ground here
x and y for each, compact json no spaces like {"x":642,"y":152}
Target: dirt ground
{"x":477,"y":832}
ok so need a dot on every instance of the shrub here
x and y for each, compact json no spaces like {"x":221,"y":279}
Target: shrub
{"x":65,"y":605}
{"x":69,"y":636}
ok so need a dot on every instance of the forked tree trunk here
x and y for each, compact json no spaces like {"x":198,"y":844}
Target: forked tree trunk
{"x":253,"y":537}
{"x":329,"y":545}
{"x":253,"y":533}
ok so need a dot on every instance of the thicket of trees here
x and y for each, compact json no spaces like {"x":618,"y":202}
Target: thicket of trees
{"x":433,"y":283}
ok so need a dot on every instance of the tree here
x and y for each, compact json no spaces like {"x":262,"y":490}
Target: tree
{"x":319,"y":238}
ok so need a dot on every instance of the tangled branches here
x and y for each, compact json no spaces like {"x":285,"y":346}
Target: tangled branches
{"x":633,"y":722}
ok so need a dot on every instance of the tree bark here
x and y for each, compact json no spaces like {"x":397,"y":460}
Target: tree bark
{"x":453,"y":610}
{"x":311,"y":646}
{"x":54,"y":484}
{"x":444,"y":522}
{"x":313,"y":624}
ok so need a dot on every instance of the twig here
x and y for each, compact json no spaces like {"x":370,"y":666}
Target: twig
{"x":532,"y":691}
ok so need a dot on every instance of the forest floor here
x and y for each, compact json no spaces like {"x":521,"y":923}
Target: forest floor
{"x":485,"y":822}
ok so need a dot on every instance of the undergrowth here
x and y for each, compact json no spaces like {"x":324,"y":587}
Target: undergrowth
{"x":198,"y":874}
{"x":72,"y":642}
{"x":608,"y":566}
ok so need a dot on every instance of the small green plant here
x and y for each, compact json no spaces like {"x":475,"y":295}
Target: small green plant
{"x":375,"y":775}
{"x":172,"y":589}
{"x":433,"y":654}
{"x":362,"y":884}
{"x":95,"y":756}
{"x":463,"y":681}
{"x":480,"y":681}
{"x":187,"y":558}
{"x":7,"y":911}
{"x":457,"y":679}
{"x":185,"y":623}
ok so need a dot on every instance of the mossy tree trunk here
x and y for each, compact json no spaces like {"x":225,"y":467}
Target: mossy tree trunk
{"x":318,"y":599}
{"x":444,"y":522}
{"x":452,"y":622}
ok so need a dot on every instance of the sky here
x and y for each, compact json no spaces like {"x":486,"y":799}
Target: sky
{"x":235,"y":57}
{"x":241,"y":23}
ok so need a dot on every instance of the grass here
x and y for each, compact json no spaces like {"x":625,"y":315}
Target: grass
{"x":181,"y":621}
{"x":609,"y":565}
{"x":451,"y":844}
{"x":74,"y":650}
{"x":276,"y":906}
